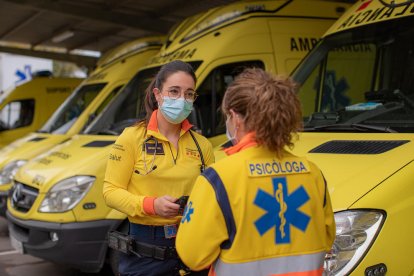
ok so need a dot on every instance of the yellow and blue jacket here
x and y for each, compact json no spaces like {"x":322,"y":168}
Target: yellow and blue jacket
{"x":144,"y":165}
{"x":254,"y":214}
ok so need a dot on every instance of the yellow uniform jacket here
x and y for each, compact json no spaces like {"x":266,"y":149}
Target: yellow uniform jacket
{"x":253,"y":214}
{"x":143,"y":163}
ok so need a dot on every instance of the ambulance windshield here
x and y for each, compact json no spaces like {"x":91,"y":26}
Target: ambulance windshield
{"x":361,"y":80}
{"x":71,"y":109}
{"x":126,"y":109}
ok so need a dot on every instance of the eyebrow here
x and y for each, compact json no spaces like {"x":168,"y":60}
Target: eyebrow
{"x":179,"y":87}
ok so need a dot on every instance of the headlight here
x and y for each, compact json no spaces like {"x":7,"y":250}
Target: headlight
{"x":355,"y":232}
{"x":66,"y":194}
{"x":8,"y":172}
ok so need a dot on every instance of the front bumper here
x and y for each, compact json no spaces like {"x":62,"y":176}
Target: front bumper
{"x":81,"y":245}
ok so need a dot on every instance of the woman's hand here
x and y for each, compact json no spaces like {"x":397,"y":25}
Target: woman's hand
{"x":164,"y":206}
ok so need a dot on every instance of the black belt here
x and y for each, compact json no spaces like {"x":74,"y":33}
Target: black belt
{"x":142,"y":249}
{"x":151,"y":231}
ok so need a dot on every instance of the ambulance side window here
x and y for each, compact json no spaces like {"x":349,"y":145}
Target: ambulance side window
{"x":211,"y":92}
{"x":17,"y":114}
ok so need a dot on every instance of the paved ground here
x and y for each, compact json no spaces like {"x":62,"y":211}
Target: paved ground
{"x":15,"y":264}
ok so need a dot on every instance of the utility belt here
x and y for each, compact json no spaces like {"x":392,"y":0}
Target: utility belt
{"x":128,"y":245}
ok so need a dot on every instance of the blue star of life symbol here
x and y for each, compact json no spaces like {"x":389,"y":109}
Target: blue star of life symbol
{"x":188,"y":211}
{"x":334,"y":92}
{"x":282,"y":210}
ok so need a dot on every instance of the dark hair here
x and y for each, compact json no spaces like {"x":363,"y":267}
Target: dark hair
{"x":269,"y":106}
{"x":158,"y":81}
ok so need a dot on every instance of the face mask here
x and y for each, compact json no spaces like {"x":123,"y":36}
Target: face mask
{"x":232,"y":139}
{"x":175,"y":111}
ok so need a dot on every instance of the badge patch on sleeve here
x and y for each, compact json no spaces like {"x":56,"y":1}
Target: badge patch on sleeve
{"x":151,"y":149}
{"x":269,"y":167}
{"x":188,"y":211}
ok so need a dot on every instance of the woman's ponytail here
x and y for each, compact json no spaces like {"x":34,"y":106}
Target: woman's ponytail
{"x":150,"y":102}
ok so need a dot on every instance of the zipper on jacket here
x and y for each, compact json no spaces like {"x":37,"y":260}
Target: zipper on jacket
{"x":172,"y":154}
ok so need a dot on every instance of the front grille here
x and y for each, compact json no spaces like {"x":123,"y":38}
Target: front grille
{"x":98,"y":144}
{"x":37,"y":139}
{"x":23,"y":197}
{"x":358,"y":147}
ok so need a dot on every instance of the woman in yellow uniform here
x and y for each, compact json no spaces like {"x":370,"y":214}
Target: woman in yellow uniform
{"x":261,"y":210}
{"x":151,"y":165}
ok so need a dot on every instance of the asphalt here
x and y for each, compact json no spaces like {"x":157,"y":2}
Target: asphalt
{"x":3,"y":228}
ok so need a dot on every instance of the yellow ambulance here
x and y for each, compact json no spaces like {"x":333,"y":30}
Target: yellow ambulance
{"x":26,"y":107}
{"x":113,"y":71}
{"x":56,"y":210}
{"x":358,"y":93}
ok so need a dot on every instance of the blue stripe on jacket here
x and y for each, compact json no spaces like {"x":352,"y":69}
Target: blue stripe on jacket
{"x":224,"y":203}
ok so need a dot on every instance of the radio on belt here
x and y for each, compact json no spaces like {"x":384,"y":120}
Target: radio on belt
{"x":120,"y":241}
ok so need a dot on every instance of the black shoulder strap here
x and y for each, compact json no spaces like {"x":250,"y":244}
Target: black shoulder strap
{"x":203,"y":164}
{"x":326,"y":187}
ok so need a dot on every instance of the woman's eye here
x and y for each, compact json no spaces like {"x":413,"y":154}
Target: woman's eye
{"x":174,"y":92}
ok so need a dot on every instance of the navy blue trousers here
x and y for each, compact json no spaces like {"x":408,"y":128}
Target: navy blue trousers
{"x":132,"y":265}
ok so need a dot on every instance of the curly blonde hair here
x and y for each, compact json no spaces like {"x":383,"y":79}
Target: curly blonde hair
{"x":269,"y":106}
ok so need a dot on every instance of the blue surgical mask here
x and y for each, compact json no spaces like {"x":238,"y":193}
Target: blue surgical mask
{"x":175,"y":111}
{"x":232,"y":139}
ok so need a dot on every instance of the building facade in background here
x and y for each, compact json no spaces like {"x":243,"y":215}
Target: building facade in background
{"x":15,"y":69}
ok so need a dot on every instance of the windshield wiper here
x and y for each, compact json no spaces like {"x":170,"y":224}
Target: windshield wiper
{"x":348,"y":127}
{"x":404,"y":97}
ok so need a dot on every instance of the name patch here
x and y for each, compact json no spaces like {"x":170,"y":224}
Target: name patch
{"x":150,"y":149}
{"x":266,"y":167}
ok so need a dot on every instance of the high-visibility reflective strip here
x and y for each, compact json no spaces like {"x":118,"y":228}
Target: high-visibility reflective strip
{"x":223,"y":200}
{"x":317,"y":272}
{"x":309,"y":264}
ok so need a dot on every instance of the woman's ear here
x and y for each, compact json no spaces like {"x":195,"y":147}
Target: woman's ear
{"x":232,"y":114}
{"x":156,"y":93}
{"x":235,"y":118}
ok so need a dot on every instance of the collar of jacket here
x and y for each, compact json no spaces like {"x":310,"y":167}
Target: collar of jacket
{"x":249,"y":140}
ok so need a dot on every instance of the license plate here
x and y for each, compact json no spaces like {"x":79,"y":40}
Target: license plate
{"x":17,"y":245}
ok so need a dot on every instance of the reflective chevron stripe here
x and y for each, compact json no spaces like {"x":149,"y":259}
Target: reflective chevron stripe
{"x":301,"y":265}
